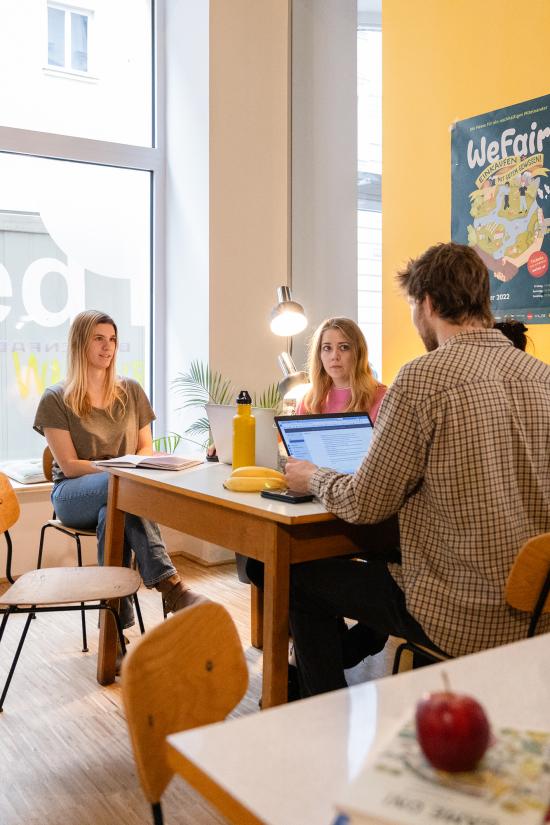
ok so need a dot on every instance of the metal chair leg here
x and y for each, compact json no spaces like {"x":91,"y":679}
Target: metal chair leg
{"x":8,"y":558}
{"x":138,"y":614}
{"x":41,"y":545}
{"x":4,"y":621}
{"x":157,"y":813}
{"x":83,"y":613}
{"x":15,"y":660}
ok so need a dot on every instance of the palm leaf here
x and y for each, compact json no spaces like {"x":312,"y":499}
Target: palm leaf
{"x":201,"y":429}
{"x":270,"y":398}
{"x":200,"y":385}
{"x":169,"y":443}
{"x":166,"y":443}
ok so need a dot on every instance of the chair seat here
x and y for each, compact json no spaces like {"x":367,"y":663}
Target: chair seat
{"x":65,"y":585}
{"x":55,"y":522}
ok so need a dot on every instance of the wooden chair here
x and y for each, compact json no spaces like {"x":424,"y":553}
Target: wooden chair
{"x":188,"y":671}
{"x":58,"y":589}
{"x":527,"y":589}
{"x":528,"y":584}
{"x":72,"y":532}
{"x":9,"y":513}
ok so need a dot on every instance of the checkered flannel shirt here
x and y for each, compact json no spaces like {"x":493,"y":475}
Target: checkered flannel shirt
{"x":461,"y":450}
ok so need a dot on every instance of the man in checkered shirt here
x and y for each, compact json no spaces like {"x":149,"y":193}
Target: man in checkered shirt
{"x":461,"y":453}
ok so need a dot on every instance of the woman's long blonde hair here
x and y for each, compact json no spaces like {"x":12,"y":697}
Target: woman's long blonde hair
{"x":75,"y":392}
{"x":363,"y":384}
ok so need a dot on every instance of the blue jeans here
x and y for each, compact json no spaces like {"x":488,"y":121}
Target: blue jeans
{"x":82,"y":503}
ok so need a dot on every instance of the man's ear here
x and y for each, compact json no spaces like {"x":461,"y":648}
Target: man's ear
{"x":428,"y":306}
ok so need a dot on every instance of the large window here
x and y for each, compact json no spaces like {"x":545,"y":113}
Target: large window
{"x":76,"y":213}
{"x":369,"y":201}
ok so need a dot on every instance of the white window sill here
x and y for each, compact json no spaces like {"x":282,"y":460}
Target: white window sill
{"x":70,"y":74}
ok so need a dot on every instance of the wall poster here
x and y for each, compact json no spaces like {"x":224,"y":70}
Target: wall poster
{"x":501,"y":204}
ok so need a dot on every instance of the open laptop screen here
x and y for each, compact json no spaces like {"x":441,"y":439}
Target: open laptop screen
{"x":336,"y":440}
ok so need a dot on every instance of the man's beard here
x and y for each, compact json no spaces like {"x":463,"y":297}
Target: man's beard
{"x":428,"y":339}
{"x":426,"y":331}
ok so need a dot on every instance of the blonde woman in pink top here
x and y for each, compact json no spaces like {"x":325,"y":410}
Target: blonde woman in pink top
{"x":341,"y":381}
{"x":340,"y":373}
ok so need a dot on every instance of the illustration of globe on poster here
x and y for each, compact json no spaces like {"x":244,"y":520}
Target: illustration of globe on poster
{"x":501,"y":204}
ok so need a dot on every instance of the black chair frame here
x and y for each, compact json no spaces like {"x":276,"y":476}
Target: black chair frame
{"x":9,"y":553}
{"x":31,"y":612}
{"x":74,"y":534}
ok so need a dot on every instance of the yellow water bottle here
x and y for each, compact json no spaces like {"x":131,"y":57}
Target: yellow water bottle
{"x":244,"y":433}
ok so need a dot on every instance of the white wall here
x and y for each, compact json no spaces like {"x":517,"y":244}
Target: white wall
{"x":324,"y":161}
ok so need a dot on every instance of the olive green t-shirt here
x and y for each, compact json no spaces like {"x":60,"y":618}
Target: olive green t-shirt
{"x":98,"y":435}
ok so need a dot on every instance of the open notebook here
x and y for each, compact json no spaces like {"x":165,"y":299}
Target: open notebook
{"x":152,"y":462}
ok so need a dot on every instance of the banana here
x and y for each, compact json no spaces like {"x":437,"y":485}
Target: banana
{"x":253,"y":484}
{"x":255,"y":472}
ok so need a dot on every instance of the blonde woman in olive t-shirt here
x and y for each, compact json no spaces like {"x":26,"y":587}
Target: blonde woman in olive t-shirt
{"x":94,"y":415}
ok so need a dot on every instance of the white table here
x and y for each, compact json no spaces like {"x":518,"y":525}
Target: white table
{"x":287,"y":765}
{"x":279,"y":534}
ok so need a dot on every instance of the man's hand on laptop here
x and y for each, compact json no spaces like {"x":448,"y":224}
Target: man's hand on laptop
{"x":298,"y":474}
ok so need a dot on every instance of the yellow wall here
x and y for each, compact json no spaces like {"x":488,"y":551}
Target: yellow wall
{"x":444,"y":60}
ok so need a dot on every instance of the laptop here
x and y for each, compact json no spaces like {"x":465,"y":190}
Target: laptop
{"x":335,"y":440}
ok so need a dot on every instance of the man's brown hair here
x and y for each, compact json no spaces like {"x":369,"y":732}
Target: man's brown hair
{"x":455,"y":278}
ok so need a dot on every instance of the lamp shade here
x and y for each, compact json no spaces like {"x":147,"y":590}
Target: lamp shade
{"x":295,"y":383}
{"x":288,"y":317}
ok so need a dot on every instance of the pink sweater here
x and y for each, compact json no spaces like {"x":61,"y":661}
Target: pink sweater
{"x":338,"y":399}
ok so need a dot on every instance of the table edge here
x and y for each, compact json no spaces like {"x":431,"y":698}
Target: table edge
{"x":127,"y":473}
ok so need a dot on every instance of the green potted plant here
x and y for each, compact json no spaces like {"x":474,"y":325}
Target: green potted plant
{"x":203,"y":387}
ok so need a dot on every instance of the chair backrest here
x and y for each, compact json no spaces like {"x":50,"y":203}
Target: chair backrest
{"x":47,"y":461}
{"x":188,"y":671}
{"x":529,"y":575}
{"x":9,"y":505}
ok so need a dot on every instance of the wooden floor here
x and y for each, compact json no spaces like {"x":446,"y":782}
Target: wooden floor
{"x":65,"y":757}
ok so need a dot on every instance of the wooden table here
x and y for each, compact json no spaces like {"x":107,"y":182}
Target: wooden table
{"x":289,"y":765}
{"x":195,"y":502}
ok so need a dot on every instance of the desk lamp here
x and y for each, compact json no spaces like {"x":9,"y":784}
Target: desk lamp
{"x":287,"y":319}
{"x":295,"y":383}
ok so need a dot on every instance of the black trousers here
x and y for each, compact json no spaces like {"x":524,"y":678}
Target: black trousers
{"x":321,"y":592}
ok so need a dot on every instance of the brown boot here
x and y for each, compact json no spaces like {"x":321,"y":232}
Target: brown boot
{"x":177,"y":596}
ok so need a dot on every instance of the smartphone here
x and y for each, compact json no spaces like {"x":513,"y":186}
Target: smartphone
{"x":287,"y":495}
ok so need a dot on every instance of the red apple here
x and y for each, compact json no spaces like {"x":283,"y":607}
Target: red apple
{"x":453,"y":730}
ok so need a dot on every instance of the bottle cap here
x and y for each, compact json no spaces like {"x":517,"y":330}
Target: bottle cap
{"x":244,"y":398}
